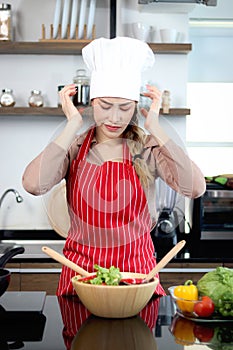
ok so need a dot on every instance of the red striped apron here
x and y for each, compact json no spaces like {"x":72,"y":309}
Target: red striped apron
{"x":110,"y":219}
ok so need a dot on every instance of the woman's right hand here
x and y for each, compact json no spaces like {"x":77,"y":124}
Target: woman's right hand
{"x":67,"y":104}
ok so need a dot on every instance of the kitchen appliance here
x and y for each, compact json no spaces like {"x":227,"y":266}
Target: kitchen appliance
{"x":21,"y":318}
{"x":166,"y":232}
{"x":212,"y":223}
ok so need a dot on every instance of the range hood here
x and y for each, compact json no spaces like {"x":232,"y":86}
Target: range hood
{"x":201,"y":2}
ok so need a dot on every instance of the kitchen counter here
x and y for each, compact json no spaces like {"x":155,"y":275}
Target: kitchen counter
{"x":64,"y":323}
{"x":33,"y":240}
{"x":32,"y":248}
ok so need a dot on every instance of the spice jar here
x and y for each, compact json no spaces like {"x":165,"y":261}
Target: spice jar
{"x":7,"y":98}
{"x":81,"y":98}
{"x":36,"y":99}
{"x":5,"y":22}
{"x":166,"y":101}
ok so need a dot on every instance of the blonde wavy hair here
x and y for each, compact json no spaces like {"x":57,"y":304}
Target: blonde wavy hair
{"x":136,"y":139}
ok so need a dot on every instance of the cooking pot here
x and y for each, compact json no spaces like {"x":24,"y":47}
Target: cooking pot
{"x":5,"y":274}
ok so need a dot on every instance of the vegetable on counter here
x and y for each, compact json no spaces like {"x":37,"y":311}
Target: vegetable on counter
{"x":204,"y":307}
{"x":225,"y":305}
{"x":188,"y":291}
{"x":216,"y":284}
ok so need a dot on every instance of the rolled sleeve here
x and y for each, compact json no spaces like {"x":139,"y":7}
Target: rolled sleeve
{"x":174,"y":166}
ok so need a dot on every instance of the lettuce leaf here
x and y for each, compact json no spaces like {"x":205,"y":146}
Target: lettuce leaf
{"x":216,"y":283}
{"x":111,"y":276}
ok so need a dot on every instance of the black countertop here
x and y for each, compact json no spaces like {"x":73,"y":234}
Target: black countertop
{"x":52,"y":323}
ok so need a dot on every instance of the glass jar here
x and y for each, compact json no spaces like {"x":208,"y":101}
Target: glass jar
{"x":166,"y":101}
{"x":7,"y":98}
{"x":36,"y":99}
{"x":5,"y":22}
{"x":82,"y":82}
{"x":59,"y":88}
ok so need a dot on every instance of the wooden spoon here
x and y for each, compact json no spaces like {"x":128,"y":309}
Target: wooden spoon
{"x":163,"y":262}
{"x":64,"y":261}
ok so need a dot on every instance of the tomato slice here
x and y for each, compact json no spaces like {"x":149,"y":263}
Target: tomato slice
{"x":87,"y":279}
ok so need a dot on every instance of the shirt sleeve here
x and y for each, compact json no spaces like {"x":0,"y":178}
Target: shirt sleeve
{"x":173,"y":165}
{"x":48,"y":168}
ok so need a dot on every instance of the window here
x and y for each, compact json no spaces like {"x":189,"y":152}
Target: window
{"x":210,"y":127}
{"x":210,"y":97}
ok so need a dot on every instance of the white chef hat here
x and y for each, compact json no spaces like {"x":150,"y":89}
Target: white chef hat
{"x":116,"y":66}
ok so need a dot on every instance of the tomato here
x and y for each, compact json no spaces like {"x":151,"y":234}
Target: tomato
{"x":204,"y":307}
{"x":202,"y":333}
{"x":87,"y":279}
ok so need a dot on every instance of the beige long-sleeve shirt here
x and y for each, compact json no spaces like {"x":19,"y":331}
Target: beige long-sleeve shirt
{"x":169,"y":162}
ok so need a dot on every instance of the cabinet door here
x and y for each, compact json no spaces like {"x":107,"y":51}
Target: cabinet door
{"x":40,"y":282}
{"x":177,"y":273}
{"x":40,"y":277}
{"x":15,"y":277}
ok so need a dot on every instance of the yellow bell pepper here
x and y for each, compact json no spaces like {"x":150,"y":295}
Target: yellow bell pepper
{"x":187,"y":292}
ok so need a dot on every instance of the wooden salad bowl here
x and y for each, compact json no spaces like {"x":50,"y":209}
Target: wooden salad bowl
{"x":115,"y":301}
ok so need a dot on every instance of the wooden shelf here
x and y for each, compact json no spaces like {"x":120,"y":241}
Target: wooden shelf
{"x":176,"y":112}
{"x":179,"y":48}
{"x":55,"y":111}
{"x":21,"y":111}
{"x":69,"y":48}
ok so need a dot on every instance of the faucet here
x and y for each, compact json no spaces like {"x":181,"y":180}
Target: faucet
{"x":18,"y":198}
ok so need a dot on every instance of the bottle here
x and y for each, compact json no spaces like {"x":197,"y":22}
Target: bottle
{"x":7,"y":98}
{"x":36,"y":99}
{"x":166,"y":101}
{"x":5,"y":22}
{"x":82,"y":97}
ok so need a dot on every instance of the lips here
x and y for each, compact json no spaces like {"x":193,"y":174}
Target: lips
{"x":112,"y":128}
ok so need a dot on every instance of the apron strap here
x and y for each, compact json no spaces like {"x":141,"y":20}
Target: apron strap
{"x":84,"y":149}
{"x":127,"y":157}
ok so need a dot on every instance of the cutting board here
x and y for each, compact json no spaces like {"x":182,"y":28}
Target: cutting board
{"x":58,"y":210}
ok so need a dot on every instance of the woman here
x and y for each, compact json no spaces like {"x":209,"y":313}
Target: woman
{"x":110,"y":171}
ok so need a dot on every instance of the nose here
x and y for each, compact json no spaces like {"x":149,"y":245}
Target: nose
{"x":115,"y":115}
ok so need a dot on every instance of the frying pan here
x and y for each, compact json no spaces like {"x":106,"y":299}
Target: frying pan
{"x":5,"y":275}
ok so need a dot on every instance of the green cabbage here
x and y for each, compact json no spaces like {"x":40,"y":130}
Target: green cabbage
{"x":216,"y":283}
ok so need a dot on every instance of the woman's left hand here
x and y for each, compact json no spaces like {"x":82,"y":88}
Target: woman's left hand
{"x":151,"y":117}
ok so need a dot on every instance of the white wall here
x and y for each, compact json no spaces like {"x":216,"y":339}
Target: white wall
{"x":22,"y":138}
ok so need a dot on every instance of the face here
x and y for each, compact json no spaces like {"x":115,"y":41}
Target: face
{"x":112,"y":116}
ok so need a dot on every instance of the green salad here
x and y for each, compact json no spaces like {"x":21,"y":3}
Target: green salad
{"x":104,"y":276}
